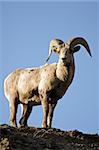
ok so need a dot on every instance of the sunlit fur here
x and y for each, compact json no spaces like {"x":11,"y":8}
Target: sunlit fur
{"x":43,"y":85}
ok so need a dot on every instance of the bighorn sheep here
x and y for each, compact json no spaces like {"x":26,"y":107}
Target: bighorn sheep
{"x":43,"y":85}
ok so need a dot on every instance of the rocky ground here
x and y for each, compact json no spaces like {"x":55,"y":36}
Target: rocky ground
{"x":45,"y":139}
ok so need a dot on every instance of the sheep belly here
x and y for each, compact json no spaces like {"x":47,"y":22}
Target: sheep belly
{"x":28,"y":88}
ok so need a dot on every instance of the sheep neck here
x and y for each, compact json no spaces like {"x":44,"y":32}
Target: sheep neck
{"x":65,"y":72}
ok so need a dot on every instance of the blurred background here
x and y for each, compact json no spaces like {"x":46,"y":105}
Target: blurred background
{"x":26,"y":29}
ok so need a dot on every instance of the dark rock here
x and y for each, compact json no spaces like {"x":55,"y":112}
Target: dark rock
{"x":31,"y":138}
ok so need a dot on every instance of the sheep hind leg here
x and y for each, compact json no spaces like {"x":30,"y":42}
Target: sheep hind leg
{"x":13,"y":111}
{"x":27,"y":109}
{"x":50,"y":114}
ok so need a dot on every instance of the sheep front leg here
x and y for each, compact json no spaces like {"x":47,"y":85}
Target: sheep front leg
{"x":45,"y":112}
{"x":50,"y":114}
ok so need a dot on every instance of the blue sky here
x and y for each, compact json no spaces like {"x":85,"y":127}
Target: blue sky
{"x":26,"y":29}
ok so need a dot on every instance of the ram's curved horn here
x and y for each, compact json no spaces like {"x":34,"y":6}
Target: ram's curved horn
{"x":79,"y":40}
{"x":54,"y":46}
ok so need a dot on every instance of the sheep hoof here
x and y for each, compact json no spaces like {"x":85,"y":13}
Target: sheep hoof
{"x":44,"y":125}
{"x":23,"y":126}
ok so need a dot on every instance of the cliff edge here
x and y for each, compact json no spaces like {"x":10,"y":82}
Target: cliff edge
{"x":31,"y":138}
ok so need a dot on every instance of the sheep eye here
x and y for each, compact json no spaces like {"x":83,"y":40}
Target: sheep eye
{"x":63,"y":45}
{"x":54,"y":46}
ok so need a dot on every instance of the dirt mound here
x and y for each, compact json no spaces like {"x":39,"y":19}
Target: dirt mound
{"x":31,"y":138}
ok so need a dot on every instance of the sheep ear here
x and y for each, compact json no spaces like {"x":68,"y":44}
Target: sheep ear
{"x":76,"y":49}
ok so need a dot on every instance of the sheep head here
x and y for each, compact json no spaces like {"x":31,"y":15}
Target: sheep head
{"x":67,"y":49}
{"x":55,"y":46}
